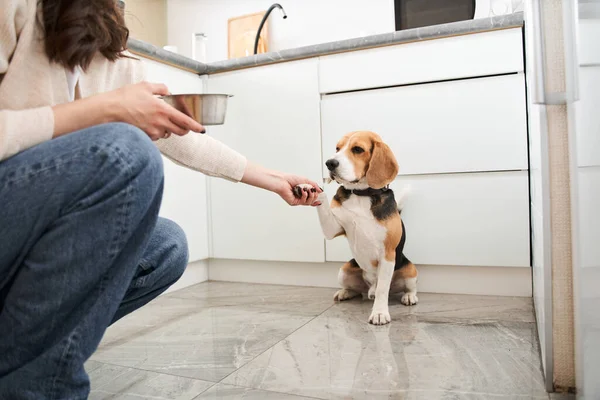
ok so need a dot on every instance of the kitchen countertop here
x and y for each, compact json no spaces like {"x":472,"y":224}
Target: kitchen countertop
{"x":385,"y":39}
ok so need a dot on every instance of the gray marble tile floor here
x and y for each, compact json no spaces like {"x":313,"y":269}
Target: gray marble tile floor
{"x":236,"y":341}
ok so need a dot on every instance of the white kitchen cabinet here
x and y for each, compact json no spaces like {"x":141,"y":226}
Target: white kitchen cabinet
{"x":458,"y":126}
{"x":185,"y":202}
{"x":588,"y":118}
{"x":273,"y":119}
{"x":587,"y":47}
{"x":177,"y":80}
{"x":185,"y":195}
{"x":481,"y":54}
{"x":478,"y":219}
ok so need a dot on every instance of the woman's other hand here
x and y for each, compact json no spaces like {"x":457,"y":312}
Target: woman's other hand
{"x":135,"y":104}
{"x":139,"y":106}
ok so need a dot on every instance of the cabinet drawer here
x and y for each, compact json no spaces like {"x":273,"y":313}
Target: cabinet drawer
{"x":459,"y":126}
{"x":463,"y":219}
{"x":487,"y":53}
{"x":587,"y":47}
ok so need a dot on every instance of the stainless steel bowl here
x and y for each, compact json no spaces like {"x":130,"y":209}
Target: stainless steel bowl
{"x":207,"y":108}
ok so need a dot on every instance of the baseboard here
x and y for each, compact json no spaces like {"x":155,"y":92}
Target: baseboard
{"x":496,"y":281}
{"x":196,"y":272}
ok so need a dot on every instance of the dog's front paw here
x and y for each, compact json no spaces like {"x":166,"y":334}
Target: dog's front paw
{"x":409,"y":299}
{"x":380,"y":318}
{"x":303,"y":187}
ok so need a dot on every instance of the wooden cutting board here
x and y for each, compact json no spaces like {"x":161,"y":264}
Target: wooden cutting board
{"x":241,"y":32}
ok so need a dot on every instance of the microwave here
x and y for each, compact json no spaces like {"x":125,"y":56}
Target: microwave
{"x":411,"y":14}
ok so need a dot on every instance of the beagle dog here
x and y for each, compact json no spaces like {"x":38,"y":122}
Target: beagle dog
{"x":365,"y":211}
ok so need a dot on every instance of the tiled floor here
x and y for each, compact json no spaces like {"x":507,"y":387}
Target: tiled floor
{"x":243,"y":341}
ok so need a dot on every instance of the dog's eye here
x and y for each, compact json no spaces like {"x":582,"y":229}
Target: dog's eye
{"x":337,"y":149}
{"x":357,"y":150}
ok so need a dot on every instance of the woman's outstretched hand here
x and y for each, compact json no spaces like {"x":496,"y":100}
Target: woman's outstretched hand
{"x":304,"y":195}
{"x":283,"y":184}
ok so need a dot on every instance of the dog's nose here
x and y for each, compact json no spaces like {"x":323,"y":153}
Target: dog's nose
{"x":332,"y":164}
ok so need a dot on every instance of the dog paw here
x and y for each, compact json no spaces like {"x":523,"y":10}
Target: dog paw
{"x":303,"y":187}
{"x":380,"y":318}
{"x":371,"y":294}
{"x":409,"y":299}
{"x":344,"y":294}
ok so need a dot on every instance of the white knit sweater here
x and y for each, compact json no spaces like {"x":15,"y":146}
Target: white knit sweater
{"x":30,"y":85}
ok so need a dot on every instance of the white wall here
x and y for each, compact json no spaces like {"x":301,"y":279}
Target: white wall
{"x":309,"y":22}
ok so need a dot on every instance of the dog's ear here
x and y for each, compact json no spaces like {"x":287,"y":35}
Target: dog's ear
{"x":383,"y":166}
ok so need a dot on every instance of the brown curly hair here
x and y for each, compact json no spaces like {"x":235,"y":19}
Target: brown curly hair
{"x":75,"y":31}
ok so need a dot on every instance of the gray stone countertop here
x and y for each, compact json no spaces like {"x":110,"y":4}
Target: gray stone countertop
{"x":385,"y":39}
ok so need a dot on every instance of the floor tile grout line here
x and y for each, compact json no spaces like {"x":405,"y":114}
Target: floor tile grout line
{"x":154,"y":371}
{"x":262,"y":390}
{"x":275,"y":344}
{"x":206,"y":390}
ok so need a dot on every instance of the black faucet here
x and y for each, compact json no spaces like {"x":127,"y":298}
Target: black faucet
{"x":264,"y":19}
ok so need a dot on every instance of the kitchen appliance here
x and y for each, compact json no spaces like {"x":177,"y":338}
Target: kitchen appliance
{"x":207,"y":109}
{"x":419,"y":13}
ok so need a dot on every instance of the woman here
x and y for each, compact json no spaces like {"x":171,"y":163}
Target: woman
{"x":80,"y":187}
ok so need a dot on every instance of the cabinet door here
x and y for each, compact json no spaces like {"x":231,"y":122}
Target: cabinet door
{"x":185,"y":196}
{"x":460,"y":219}
{"x":185,"y":202}
{"x":459,"y":126}
{"x":273,"y":119}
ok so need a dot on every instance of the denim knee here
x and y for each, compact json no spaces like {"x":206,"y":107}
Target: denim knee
{"x":177,"y":246}
{"x":136,"y":147}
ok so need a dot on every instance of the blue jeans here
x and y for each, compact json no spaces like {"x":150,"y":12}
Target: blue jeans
{"x":81,"y":245}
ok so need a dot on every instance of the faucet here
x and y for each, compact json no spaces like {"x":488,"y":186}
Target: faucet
{"x":264,"y":19}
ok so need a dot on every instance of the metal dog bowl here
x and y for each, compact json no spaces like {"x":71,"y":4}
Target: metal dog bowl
{"x":207,"y":109}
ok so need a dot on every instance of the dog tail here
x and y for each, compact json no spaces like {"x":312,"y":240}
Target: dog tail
{"x":401,"y":197}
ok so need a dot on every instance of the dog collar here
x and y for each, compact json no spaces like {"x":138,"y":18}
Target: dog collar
{"x":368,"y":191}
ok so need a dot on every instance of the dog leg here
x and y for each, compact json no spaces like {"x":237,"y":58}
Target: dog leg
{"x":345,"y":294}
{"x":329,"y":224}
{"x":380,"y":314}
{"x":409,"y":298}
{"x":351,"y":280}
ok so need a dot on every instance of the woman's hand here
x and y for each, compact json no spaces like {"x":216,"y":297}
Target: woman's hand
{"x":138,"y":106}
{"x":135,"y":104}
{"x":307,"y":196}
{"x":282,"y":184}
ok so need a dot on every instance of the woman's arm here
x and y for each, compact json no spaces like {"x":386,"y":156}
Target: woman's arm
{"x":14,"y":124}
{"x":134,"y":104}
{"x":81,"y":114}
